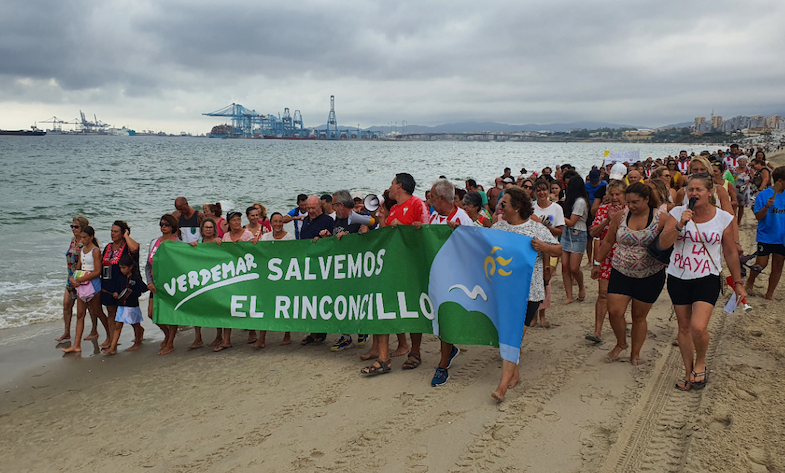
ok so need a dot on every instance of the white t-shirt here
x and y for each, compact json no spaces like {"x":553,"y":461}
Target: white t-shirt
{"x":552,"y":216}
{"x":458,"y":215}
{"x":580,"y":208}
{"x":689,"y":259}
{"x":536,"y":230}
{"x":269,"y":237}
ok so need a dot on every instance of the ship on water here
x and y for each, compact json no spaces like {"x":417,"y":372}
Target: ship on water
{"x":33,"y":131}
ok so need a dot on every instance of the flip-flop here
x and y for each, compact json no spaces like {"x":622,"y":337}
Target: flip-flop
{"x":220,"y":348}
{"x":593,"y":338}
{"x":251,"y":341}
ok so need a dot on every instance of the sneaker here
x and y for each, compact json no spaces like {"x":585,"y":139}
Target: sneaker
{"x":361,"y":339}
{"x":453,"y":354}
{"x":343,"y":343}
{"x":441,"y":377}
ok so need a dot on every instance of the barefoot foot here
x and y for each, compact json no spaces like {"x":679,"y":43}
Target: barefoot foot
{"x":72,"y":349}
{"x":498,"y":397}
{"x":637,"y":362}
{"x":613,"y":355}
{"x":369,"y":355}
{"x":568,"y":301}
{"x":134,"y":347}
{"x":166,"y":350}
{"x":91,"y":336}
{"x":196,"y":344}
{"x":401,"y":350}
{"x":214,"y":343}
{"x":65,"y":338}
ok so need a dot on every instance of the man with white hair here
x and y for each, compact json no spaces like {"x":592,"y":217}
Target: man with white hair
{"x":317,"y":225}
{"x":442,"y":199}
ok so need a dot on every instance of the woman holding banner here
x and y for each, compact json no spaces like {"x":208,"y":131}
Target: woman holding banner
{"x":209,"y":231}
{"x":516,"y":207}
{"x":699,"y":233}
{"x":169,"y":227}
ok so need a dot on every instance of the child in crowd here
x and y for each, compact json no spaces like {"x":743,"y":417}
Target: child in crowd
{"x":128,"y":311}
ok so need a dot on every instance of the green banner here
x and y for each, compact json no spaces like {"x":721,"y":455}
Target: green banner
{"x":371,"y":283}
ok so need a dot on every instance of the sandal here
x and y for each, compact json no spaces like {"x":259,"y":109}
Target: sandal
{"x":412,"y":364}
{"x":593,"y":338}
{"x":702,"y":383}
{"x":310,"y":340}
{"x":373,"y":370}
{"x":686,"y":387}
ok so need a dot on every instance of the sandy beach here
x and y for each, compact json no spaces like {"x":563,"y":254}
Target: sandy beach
{"x":294,"y":408}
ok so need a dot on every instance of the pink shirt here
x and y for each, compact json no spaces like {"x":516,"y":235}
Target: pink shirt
{"x":246,"y":236}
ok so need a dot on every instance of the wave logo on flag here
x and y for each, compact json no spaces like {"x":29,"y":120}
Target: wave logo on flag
{"x":479,"y":285}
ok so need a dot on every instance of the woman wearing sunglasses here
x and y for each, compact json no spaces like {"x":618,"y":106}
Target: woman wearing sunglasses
{"x":676,"y":176}
{"x":72,"y":261}
{"x":169,"y":228}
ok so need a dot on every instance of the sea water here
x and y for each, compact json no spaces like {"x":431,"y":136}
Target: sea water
{"x":49,"y":179}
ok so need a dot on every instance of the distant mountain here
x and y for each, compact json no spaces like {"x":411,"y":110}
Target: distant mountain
{"x":468,"y":127}
{"x":678,"y":125}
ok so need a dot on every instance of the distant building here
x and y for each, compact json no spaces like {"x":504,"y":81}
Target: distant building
{"x":701,"y":124}
{"x":757,"y":122}
{"x":716,"y":122}
{"x":773,"y":122}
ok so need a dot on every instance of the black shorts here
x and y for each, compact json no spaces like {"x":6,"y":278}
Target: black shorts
{"x":646,"y":289}
{"x":531,"y":312}
{"x":688,"y":291}
{"x":765,"y":249}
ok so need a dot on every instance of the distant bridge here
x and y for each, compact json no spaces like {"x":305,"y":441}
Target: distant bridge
{"x":473,"y":136}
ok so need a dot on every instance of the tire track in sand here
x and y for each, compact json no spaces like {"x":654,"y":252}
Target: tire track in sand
{"x":659,"y":427}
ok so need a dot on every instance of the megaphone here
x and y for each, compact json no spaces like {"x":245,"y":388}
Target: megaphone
{"x":372,"y":202}
{"x":354,"y":217}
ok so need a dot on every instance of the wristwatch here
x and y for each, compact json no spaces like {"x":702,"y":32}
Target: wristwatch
{"x":597,"y":263}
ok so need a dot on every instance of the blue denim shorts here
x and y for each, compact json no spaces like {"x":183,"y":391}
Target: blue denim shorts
{"x":573,"y":241}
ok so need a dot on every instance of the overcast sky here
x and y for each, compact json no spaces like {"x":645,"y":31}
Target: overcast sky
{"x":160,"y":65}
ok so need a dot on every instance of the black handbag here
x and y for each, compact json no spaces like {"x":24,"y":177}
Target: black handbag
{"x":663,"y":255}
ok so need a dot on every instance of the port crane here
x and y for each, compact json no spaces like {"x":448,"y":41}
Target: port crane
{"x":88,"y":126}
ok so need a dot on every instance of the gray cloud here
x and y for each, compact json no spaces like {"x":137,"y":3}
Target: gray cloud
{"x":517,"y":62}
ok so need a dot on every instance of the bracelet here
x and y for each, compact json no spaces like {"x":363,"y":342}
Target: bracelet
{"x":736,"y":283}
{"x":597,"y":263}
{"x":595,"y":239}
{"x":678,"y":229}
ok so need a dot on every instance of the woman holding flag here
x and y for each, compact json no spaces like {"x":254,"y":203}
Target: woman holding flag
{"x":516,"y":207}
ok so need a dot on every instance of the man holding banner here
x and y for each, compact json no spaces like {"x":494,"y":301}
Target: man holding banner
{"x":445,"y":212}
{"x":407,"y":210}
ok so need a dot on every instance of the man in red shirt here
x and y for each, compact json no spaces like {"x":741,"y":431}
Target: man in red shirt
{"x":407,"y":211}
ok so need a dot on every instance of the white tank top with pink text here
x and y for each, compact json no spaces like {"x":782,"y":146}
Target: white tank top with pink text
{"x":690,"y":260}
